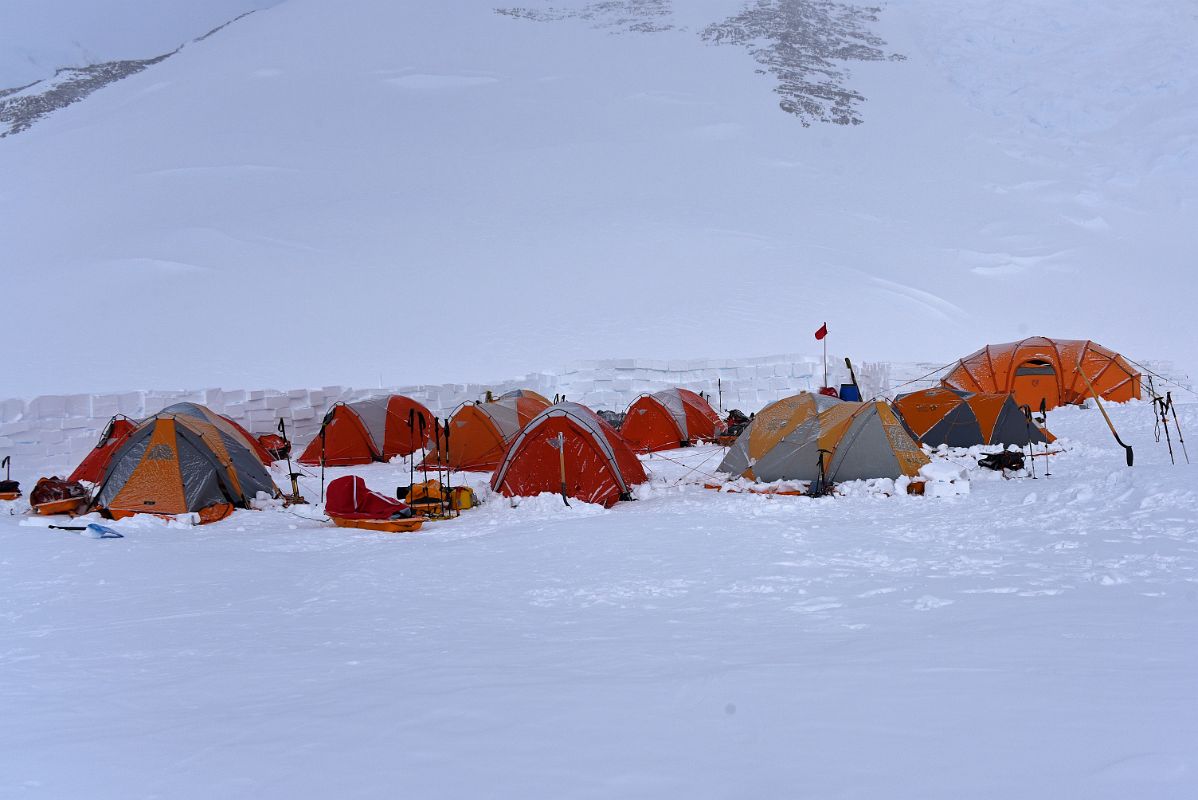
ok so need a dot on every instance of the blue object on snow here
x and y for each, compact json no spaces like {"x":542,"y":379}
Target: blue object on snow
{"x":849,"y":391}
{"x":94,"y":531}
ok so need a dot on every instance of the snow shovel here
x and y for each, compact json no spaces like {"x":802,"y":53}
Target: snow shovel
{"x":559,"y":442}
{"x":91,"y":531}
{"x":1111,"y":425}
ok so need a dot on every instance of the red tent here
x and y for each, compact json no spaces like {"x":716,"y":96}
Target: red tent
{"x":599,"y":466}
{"x":91,"y":469}
{"x":479,"y":433}
{"x":370,"y":430}
{"x":669,"y":419}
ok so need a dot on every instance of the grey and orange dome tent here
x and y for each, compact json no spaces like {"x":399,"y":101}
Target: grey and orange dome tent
{"x":370,"y":430}
{"x":951,"y":417}
{"x":668,"y":419}
{"x":479,"y":433}
{"x":1049,"y":370}
{"x":569,"y":438}
{"x":859,"y":440}
{"x":95,"y":463}
{"x":226,"y":426}
{"x":516,"y":393}
{"x":174,"y":463}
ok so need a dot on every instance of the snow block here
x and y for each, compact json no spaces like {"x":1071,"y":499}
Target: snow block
{"x":78,"y":405}
{"x":13,"y":428}
{"x":105,"y":406}
{"x":47,"y":406}
{"x":131,"y":404}
{"x":11,"y":410}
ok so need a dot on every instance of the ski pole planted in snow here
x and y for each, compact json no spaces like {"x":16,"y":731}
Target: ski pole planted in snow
{"x":1044,"y":422}
{"x":440,"y":483}
{"x":411,"y":447}
{"x":1180,"y":439}
{"x":1027,"y":421}
{"x":423,"y":441}
{"x":448,"y":480}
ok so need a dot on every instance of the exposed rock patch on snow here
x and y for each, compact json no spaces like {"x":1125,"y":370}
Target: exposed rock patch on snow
{"x":23,"y":106}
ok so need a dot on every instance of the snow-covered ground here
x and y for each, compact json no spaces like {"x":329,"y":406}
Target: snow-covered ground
{"x":1029,"y":639}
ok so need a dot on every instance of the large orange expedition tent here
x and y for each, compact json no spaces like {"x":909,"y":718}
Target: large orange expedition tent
{"x":1039,"y":368}
{"x":370,"y":430}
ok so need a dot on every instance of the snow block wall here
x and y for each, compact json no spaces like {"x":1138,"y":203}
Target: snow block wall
{"x":51,"y":433}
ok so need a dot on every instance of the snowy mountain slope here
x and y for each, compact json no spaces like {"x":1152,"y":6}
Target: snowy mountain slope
{"x":1030,"y":639}
{"x":40,"y":37}
{"x":323,"y":192}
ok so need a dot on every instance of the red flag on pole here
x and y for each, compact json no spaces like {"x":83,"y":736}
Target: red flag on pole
{"x":822,"y":332}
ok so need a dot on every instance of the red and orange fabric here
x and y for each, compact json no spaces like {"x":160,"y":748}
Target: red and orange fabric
{"x":1049,"y":370}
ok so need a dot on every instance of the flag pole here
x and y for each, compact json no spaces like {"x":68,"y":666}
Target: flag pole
{"x":825,"y":360}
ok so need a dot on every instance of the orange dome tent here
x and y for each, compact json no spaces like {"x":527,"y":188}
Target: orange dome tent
{"x":939,"y":416}
{"x":370,"y":430}
{"x":226,"y":425}
{"x":599,"y":465}
{"x":1046,"y":369}
{"x":669,"y":419}
{"x":91,"y":469}
{"x":479,"y":433}
{"x":175,"y":463}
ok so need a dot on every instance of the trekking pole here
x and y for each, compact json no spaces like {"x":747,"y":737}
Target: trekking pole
{"x":322,"y":444}
{"x":1180,"y":439}
{"x":7,"y":464}
{"x":448,"y":480}
{"x":561,"y":457}
{"x":440,"y":484}
{"x":1126,"y":447}
{"x":720,"y":386}
{"x":423,"y":453}
{"x":411,"y":447}
{"x":1027,"y":419}
{"x":1158,"y":405}
{"x":1044,"y":422}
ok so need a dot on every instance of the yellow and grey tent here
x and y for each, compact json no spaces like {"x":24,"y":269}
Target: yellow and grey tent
{"x":174,"y":463}
{"x":858,"y":440}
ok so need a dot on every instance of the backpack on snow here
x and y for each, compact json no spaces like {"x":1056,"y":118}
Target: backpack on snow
{"x":1003,"y":460}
